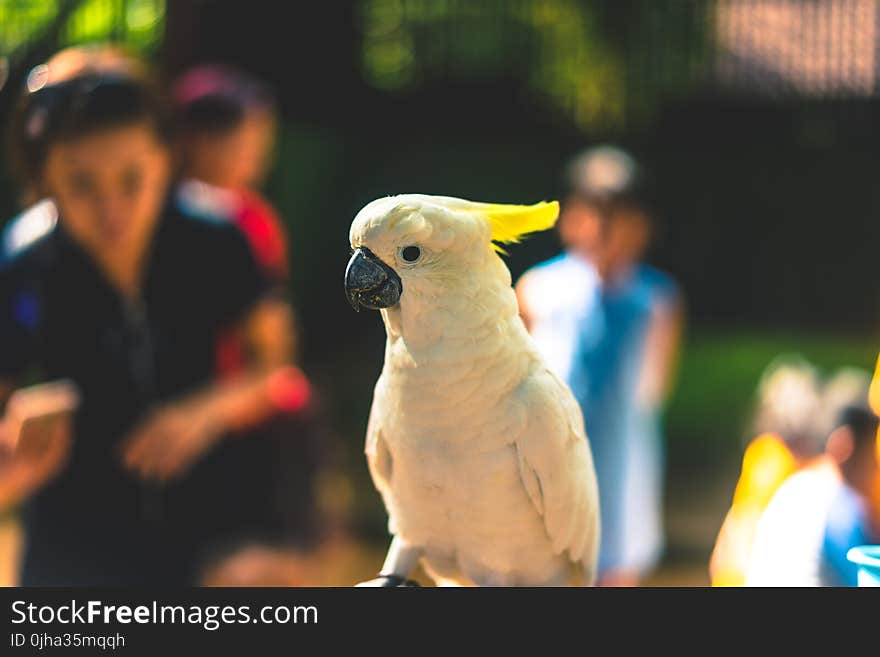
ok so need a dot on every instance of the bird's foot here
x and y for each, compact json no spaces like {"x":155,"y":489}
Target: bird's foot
{"x":388,"y":581}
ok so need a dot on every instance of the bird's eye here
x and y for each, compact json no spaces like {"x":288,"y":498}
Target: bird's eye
{"x":410,"y":253}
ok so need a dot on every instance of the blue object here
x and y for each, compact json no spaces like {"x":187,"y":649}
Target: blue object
{"x":593,"y":335}
{"x":625,"y":436}
{"x":867,"y":558}
{"x":845,"y":527}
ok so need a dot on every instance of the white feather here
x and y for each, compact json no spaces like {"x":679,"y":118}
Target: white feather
{"x":478,"y":451}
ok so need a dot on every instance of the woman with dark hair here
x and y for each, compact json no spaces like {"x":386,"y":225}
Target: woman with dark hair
{"x":125,"y":293}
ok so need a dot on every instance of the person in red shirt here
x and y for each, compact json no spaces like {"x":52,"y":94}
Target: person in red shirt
{"x":227,"y":123}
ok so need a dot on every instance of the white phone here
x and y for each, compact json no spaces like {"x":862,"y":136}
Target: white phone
{"x":30,"y":411}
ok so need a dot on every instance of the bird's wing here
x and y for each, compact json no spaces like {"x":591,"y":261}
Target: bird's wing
{"x":378,"y":455}
{"x":556,"y":467}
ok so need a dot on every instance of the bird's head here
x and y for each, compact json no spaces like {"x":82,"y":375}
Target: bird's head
{"x":428,"y":244}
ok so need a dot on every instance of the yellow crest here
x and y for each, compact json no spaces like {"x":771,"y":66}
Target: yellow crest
{"x":511,"y":223}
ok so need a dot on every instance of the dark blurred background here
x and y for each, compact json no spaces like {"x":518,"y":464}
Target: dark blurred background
{"x":756,"y":119}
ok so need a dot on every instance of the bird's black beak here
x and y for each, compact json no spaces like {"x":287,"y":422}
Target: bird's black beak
{"x":370,"y":283}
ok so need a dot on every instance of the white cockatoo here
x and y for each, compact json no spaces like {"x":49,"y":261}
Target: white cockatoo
{"x":478,"y":450}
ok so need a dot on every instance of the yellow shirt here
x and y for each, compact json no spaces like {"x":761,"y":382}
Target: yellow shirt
{"x":767,"y":463}
{"x":874,"y":400}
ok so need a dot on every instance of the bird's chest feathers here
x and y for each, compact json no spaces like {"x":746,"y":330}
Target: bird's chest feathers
{"x":449,"y":379}
{"x":458,"y":389}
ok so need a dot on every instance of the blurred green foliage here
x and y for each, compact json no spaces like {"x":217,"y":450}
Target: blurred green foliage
{"x":135,"y":23}
{"x":601,"y":64}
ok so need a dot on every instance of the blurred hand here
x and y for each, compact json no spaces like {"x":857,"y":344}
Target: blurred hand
{"x":619,"y":578}
{"x":258,"y":565}
{"x":42,"y":452}
{"x":171,"y":440}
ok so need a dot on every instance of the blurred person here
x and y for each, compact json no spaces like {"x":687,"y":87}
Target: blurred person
{"x":109,"y":58}
{"x":20,"y":476}
{"x":825,"y":509}
{"x":227,"y":124}
{"x":40,"y":214}
{"x":610,"y":326}
{"x":225,"y":127}
{"x":790,"y":424}
{"x":163,"y":466}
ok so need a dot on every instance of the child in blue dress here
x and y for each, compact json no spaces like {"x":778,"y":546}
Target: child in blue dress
{"x":610,"y":327}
